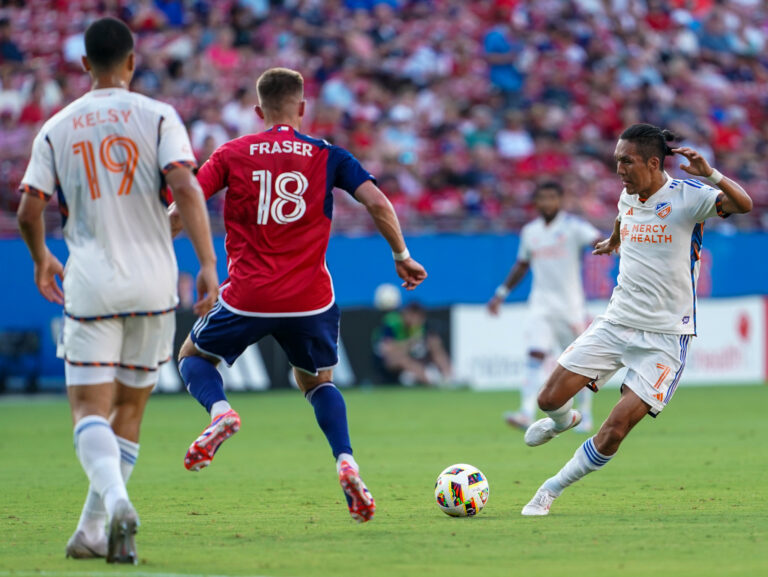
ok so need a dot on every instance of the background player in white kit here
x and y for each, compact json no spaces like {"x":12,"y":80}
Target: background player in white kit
{"x":551,"y":247}
{"x":108,"y":156}
{"x":651,"y":316}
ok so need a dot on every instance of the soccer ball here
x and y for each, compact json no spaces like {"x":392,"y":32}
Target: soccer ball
{"x":387,"y":297}
{"x":461,"y":490}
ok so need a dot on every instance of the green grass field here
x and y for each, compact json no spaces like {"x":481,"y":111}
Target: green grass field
{"x":687,"y":494}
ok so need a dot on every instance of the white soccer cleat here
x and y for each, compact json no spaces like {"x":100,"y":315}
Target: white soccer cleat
{"x":540,"y":504}
{"x":543,"y":430}
{"x":79,"y":547}
{"x":121,"y":544}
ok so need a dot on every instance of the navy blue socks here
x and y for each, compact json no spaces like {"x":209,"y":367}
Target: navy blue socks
{"x":331,"y":415}
{"x":203,"y":381}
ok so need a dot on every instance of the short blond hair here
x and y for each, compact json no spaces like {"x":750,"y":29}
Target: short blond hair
{"x":277,"y":85}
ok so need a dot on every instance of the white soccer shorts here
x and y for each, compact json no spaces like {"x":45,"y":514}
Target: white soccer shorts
{"x":127,"y":349}
{"x":655,"y":360}
{"x":550,"y":335}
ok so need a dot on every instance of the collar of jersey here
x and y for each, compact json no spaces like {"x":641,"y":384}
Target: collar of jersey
{"x":98,"y":91}
{"x":657,"y":196}
{"x":560,"y":216}
{"x":276,"y":126}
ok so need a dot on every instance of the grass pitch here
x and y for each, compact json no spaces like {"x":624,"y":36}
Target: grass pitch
{"x":686,"y":496}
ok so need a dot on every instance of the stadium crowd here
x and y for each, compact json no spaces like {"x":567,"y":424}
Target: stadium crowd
{"x":459,"y":108}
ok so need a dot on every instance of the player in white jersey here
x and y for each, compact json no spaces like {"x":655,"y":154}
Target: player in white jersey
{"x":108,"y":156}
{"x":551,"y":248}
{"x":651,"y":317}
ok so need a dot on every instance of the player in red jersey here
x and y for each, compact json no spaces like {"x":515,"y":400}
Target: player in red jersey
{"x":278,"y":220}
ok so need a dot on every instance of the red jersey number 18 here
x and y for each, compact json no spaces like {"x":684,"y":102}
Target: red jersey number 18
{"x":276,"y":209}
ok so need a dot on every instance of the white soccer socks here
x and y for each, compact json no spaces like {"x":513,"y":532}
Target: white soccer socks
{"x":585,"y":460}
{"x":349,"y":459}
{"x":99,"y":453}
{"x":219,"y":408}
{"x":562,"y":416}
{"x":93,"y":517}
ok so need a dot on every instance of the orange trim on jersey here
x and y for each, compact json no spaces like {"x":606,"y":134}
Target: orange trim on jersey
{"x":32,"y":191}
{"x":719,"y":206}
{"x":178,"y":164}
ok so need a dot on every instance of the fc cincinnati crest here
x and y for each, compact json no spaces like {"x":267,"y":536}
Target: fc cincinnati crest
{"x":663,"y":209}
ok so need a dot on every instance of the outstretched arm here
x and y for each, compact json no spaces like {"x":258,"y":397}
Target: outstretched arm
{"x":190,"y":206}
{"x":385,"y":219}
{"x":47,"y":266}
{"x":515,"y":275}
{"x":736,"y":200}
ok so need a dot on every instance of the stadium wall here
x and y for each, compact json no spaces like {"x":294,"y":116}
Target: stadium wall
{"x":462,"y":269}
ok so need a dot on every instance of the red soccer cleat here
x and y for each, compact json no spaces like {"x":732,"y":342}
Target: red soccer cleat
{"x":201,"y":452}
{"x":359,"y":499}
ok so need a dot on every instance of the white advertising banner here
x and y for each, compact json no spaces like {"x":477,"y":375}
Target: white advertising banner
{"x":490,"y":352}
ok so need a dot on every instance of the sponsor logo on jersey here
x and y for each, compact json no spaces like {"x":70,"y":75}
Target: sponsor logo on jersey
{"x":663,"y":209}
{"x":649,"y":233}
{"x":686,"y":318}
{"x":630,"y":212}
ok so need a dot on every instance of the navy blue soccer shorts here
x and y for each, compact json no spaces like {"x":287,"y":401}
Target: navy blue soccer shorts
{"x":311,"y":342}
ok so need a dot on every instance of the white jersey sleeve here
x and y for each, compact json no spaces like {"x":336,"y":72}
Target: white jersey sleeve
{"x":40,"y":177}
{"x":524,"y":250}
{"x":173,"y":147}
{"x":702,"y":199}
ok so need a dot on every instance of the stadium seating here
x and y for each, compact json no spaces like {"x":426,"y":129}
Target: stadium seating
{"x":457,"y":107}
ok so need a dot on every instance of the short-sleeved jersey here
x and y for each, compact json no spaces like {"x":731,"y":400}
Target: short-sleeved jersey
{"x":554,"y":252}
{"x":661,"y":241}
{"x":277,"y":214}
{"x":104,"y":155}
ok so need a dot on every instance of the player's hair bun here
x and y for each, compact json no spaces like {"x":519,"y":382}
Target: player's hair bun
{"x":668,"y":136}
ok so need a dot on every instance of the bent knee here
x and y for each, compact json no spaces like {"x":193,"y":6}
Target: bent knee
{"x":548,"y":401}
{"x":187,"y":350}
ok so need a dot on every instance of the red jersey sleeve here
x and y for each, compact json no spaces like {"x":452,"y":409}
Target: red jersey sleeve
{"x":214,"y":173}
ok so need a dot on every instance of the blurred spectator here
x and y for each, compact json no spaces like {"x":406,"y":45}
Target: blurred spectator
{"x":33,"y":113}
{"x":514,"y":141}
{"x":222,"y":52}
{"x":239,"y":115}
{"x":208,"y":126}
{"x":408,"y":351}
{"x":501,"y":52}
{"x":9,"y":50}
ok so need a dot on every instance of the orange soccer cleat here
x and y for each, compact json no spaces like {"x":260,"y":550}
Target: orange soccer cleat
{"x":359,"y":499}
{"x":201,"y":452}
